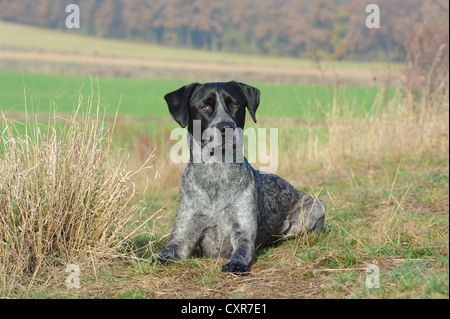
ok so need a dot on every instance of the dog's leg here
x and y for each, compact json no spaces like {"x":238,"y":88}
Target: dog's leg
{"x":313,"y":213}
{"x":185,"y":236}
{"x":309,"y":215}
{"x":242,"y":237}
{"x":241,"y":258}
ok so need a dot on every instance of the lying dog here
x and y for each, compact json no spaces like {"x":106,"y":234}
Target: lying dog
{"x":228,"y":208}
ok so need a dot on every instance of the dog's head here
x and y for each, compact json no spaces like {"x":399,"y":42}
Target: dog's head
{"x":213,"y":103}
{"x":213,"y":106}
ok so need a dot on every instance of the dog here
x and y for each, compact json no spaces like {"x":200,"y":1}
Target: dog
{"x":229,"y":209}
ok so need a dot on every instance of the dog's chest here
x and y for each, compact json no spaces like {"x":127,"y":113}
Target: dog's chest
{"x":213,"y":186}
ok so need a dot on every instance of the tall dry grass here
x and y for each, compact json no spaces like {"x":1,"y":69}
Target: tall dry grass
{"x":401,"y":126}
{"x":65,"y":195}
{"x":398,"y":128}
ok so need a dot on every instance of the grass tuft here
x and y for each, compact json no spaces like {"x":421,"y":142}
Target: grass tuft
{"x":65,"y":196}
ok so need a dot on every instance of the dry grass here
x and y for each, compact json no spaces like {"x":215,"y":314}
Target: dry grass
{"x":401,"y":127}
{"x":382,"y":177}
{"x":374,"y":174}
{"x":65,"y":197}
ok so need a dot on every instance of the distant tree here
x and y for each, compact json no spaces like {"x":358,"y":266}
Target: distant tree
{"x":301,"y":28}
{"x":104,"y":15}
{"x":427,"y":41}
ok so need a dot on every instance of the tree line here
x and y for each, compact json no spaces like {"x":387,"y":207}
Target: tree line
{"x":299,"y":28}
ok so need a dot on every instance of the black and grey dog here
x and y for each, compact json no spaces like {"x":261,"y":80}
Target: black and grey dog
{"x":230,"y":209}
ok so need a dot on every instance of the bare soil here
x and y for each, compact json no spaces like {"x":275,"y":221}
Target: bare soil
{"x":69,"y":62}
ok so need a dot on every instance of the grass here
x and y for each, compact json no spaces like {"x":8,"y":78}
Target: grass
{"x":384,"y":177}
{"x":64,"y":197}
{"x":385,"y":181}
{"x":379,"y":159}
{"x":145,"y":96}
{"x":33,"y":38}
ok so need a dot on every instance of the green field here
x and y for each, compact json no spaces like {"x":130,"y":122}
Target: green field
{"x":145,"y":96}
{"x":386,"y":192}
{"x":378,"y":158}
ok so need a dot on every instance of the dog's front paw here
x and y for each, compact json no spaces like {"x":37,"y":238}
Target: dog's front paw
{"x":237,"y":267}
{"x":166,"y":256}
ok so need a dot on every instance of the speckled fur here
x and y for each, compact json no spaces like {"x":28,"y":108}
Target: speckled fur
{"x":230,"y":209}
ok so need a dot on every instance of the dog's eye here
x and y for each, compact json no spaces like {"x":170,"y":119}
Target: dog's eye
{"x":234,"y":105}
{"x":205,"y":107}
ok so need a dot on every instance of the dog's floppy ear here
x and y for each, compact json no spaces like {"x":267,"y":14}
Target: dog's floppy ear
{"x":251,"y":95}
{"x":178,"y":102}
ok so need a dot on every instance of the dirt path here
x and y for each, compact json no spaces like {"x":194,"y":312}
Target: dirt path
{"x":36,"y":60}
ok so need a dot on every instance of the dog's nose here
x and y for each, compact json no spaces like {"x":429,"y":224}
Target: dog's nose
{"x":224,"y":125}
